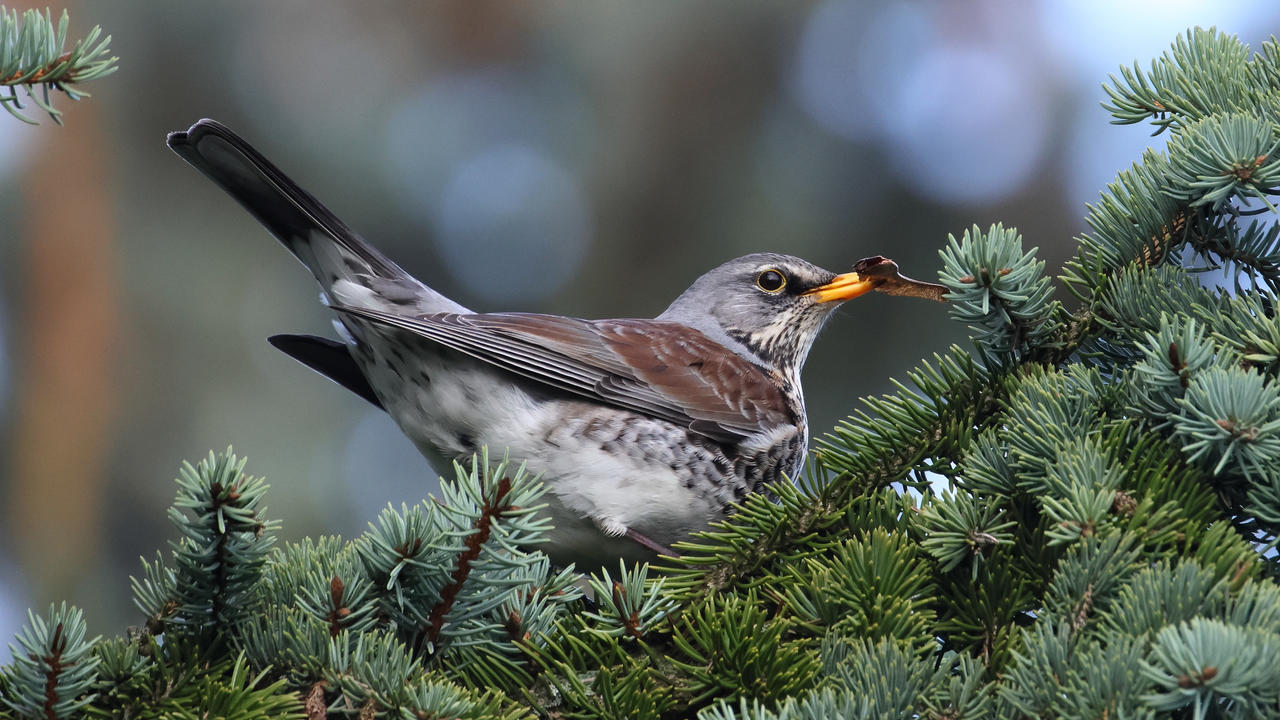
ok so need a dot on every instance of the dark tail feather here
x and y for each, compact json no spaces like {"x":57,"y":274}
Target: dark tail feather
{"x":329,"y":358}
{"x":288,"y":211}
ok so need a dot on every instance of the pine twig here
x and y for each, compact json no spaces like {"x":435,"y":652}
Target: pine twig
{"x":490,"y":511}
{"x":32,"y":57}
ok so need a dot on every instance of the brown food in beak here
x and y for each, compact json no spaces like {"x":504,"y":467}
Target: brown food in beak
{"x":884,"y":275}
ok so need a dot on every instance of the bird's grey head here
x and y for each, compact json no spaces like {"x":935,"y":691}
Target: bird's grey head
{"x":767,"y":306}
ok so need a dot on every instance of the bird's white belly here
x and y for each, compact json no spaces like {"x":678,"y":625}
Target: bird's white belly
{"x":639,"y":481}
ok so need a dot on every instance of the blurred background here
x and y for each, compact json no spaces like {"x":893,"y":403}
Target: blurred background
{"x":589,"y":159}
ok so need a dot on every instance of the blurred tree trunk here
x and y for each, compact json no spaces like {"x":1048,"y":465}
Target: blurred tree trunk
{"x":64,"y":360}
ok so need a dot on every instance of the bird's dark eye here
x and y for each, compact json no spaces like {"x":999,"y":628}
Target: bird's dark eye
{"x":771,"y":281}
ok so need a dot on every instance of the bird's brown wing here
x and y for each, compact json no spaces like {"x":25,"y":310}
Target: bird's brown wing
{"x":662,"y":369}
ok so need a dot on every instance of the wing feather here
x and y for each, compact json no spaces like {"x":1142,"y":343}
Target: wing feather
{"x":662,"y":369}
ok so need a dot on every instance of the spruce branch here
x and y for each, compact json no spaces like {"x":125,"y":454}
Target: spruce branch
{"x":1164,"y":595}
{"x":1089,"y":575}
{"x":631,"y":604}
{"x":374,"y":672}
{"x":964,"y":693}
{"x":1171,"y":357}
{"x":224,"y":545}
{"x":155,"y":594}
{"x":998,"y":290}
{"x":1046,"y":653}
{"x":492,"y":507}
{"x":493,"y":647}
{"x":290,"y":641}
{"x":1136,"y":300}
{"x":374,"y":667}
{"x":339,"y":604}
{"x":1257,"y":606}
{"x":592,"y":675}
{"x":1249,"y":255}
{"x":986,"y":470}
{"x":1058,"y":672}
{"x":452,"y":577}
{"x":730,"y":648}
{"x":1224,"y":551}
{"x":235,"y":691}
{"x":876,"y":586}
{"x":1232,"y":416}
{"x":979,"y":613}
{"x":892,"y":677}
{"x":1206,"y":71}
{"x":54,"y":668}
{"x":123,"y":672}
{"x":1224,"y":157}
{"x":1080,"y":514}
{"x":1213,"y":668}
{"x":32,"y":57}
{"x":960,"y":528}
{"x":1049,"y":415}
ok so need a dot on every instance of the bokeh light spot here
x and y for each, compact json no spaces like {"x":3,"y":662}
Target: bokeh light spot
{"x":512,"y":225}
{"x":965,"y":126}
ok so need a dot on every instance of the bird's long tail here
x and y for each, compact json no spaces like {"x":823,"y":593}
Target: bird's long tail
{"x":330,"y":249}
{"x":306,"y":227}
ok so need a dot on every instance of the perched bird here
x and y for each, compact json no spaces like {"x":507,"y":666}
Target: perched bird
{"x":643,"y":430}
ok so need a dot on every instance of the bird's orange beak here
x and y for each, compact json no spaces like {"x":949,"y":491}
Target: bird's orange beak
{"x":845,"y":287}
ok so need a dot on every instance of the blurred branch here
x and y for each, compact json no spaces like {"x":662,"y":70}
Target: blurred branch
{"x":32,"y":56}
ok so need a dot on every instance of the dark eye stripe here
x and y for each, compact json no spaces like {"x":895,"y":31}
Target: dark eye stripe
{"x":771,"y":281}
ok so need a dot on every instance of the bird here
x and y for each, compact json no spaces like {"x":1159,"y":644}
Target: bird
{"x":643,"y":430}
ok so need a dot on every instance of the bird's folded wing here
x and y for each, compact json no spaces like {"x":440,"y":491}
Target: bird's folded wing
{"x":661,"y":369}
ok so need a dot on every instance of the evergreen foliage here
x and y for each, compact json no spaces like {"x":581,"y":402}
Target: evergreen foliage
{"x":1106,"y":545}
{"x":32,"y":57}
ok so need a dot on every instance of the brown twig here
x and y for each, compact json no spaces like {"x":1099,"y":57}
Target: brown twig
{"x":56,"y":666}
{"x":474,"y":542}
{"x":38,"y":75}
